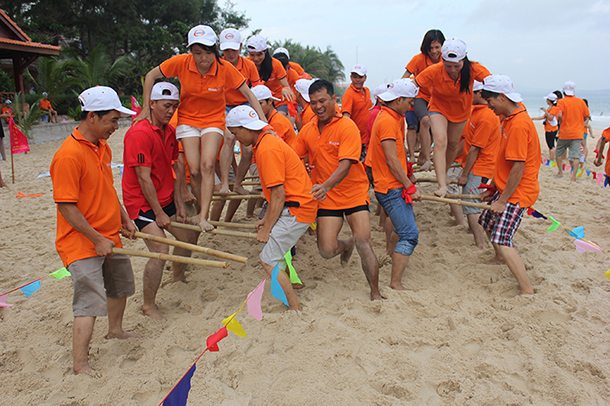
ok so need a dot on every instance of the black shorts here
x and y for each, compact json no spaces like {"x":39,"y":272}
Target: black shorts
{"x":340,"y":213}
{"x":551,"y":137}
{"x":170,"y":210}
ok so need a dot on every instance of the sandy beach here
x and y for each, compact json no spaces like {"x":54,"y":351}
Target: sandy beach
{"x":458,"y":336}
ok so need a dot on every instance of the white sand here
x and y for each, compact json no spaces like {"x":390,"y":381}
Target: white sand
{"x":458,"y":336}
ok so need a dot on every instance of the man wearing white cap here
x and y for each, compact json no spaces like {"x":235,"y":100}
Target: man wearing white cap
{"x":356,"y":104}
{"x":280,"y":123}
{"x":46,"y":108}
{"x":89,"y":220}
{"x":573,"y":116}
{"x":302,"y":88}
{"x":481,"y":143}
{"x":515,"y":175}
{"x":286,"y":186}
{"x":393,"y":177}
{"x":151,"y":195}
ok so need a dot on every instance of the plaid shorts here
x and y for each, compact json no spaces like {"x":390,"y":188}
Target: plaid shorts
{"x":502,"y":226}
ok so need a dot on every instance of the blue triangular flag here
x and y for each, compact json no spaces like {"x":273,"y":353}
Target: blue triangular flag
{"x":276,"y":289}
{"x":588,"y":172}
{"x":605,"y":180}
{"x":29,"y":290}
{"x":578,"y":232}
{"x":180,"y":394}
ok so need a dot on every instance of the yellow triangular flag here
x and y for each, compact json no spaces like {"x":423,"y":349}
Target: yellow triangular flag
{"x":234,"y":325}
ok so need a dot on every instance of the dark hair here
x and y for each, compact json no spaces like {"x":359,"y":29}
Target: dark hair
{"x":586,"y":102}
{"x":465,"y":76}
{"x":429,"y":38}
{"x":486,"y":94}
{"x":283,"y":59}
{"x":99,"y":114}
{"x":320,"y":84}
{"x":166,"y":92}
{"x":558,"y":94}
{"x":266,"y":68}
{"x":210,"y":48}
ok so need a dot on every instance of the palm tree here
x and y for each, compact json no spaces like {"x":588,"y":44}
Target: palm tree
{"x":98,"y":68}
{"x":52,"y":76}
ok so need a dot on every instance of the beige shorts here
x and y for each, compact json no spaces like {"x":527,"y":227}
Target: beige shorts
{"x":453,"y":174}
{"x":284,"y":235}
{"x":97,"y":278}
{"x":185,"y":131}
{"x":254,"y":172}
{"x":217,"y":180}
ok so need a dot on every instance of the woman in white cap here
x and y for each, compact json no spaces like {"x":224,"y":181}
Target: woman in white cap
{"x":204,"y":79}
{"x":430,"y":54}
{"x":549,"y":116}
{"x":450,"y":87}
{"x":271,"y":71}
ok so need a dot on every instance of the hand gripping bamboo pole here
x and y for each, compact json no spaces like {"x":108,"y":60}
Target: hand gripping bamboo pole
{"x":168,"y":257}
{"x":191,"y":247}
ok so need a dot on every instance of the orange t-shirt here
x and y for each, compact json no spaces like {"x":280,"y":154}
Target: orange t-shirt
{"x":554,"y":111}
{"x":202,"y":97}
{"x":292,"y":76}
{"x":248,"y":70}
{"x":273,"y":83}
{"x":44,"y":104}
{"x":389,"y":125}
{"x":282,"y":127}
{"x":446,"y":97}
{"x":519,"y":142}
{"x":483,"y":131}
{"x":574,"y":111}
{"x":278,"y":165}
{"x":307,"y":115}
{"x":606,"y":135}
{"x":358,"y":104}
{"x":298,"y":68}
{"x":417,"y":66}
{"x":339,"y":140}
{"x":81,"y":174}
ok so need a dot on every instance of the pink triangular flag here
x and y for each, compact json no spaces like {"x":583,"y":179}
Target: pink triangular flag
{"x":600,"y":177}
{"x":583,"y":246}
{"x":254,"y":301}
{"x":3,"y":301}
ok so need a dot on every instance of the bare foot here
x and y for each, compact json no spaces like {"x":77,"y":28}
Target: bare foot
{"x":152,"y":312}
{"x":496,"y":260}
{"x":426,"y":166}
{"x":298,"y":286}
{"x":2,"y":184}
{"x":205,"y":226}
{"x":122,"y":335}
{"x":376,"y":295}
{"x":241,"y":190}
{"x":250,"y":216}
{"x":86,"y":370}
{"x":295,"y":308}
{"x":559,"y":175}
{"x":179,"y":279}
{"x":397,"y":286}
{"x":441,"y":192}
{"x":224,"y":190}
{"x":347,"y":253}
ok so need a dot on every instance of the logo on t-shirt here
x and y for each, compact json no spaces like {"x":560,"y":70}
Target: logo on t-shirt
{"x":141,"y":158}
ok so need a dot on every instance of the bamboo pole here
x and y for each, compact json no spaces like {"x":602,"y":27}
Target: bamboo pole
{"x":461,"y":196}
{"x":251,"y":177}
{"x":215,"y":231}
{"x":192,"y":247}
{"x":416,"y":168}
{"x":248,"y":183}
{"x":231,"y":225}
{"x":434,"y":181}
{"x":453,"y":201}
{"x":168,"y":257}
{"x":235,"y":197}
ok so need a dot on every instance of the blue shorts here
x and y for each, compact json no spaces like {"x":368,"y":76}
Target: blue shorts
{"x":283,"y":107}
{"x":412,"y":121}
{"x":401,"y":214}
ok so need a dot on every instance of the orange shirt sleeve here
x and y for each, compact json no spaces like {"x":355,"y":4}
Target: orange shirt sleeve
{"x":350,"y":147}
{"x":347,"y":102}
{"x":278,"y":69}
{"x":480,"y":71}
{"x":274,"y":170}
{"x":173,"y":66}
{"x":516,"y":147}
{"x":66,"y":173}
{"x":233,"y":79}
{"x":415,"y":64}
{"x":480,"y":136}
{"x":426,"y":78}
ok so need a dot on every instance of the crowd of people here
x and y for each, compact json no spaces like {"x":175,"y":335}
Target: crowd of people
{"x":316,"y":163}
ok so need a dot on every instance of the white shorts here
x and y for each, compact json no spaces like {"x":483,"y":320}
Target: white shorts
{"x":284,"y":235}
{"x":186,"y":131}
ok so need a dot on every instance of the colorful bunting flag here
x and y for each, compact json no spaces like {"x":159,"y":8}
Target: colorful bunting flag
{"x":294,"y":278}
{"x":28,"y":290}
{"x":276,"y":289}
{"x":60,"y":273}
{"x":553,"y":226}
{"x":3,"y":301}
{"x":213,"y":340}
{"x":19,"y":142}
{"x":583,"y":246}
{"x":608,"y":274}
{"x":179,"y":395}
{"x":233,"y":325}
{"x":600,"y":178}
{"x":254,"y":301}
{"x":578,"y":233}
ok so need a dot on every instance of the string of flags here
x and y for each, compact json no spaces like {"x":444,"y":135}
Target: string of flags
{"x":30,"y":288}
{"x":598,"y":176}
{"x":582,"y":244}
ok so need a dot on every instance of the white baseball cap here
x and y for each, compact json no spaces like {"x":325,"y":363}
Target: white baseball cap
{"x":302,"y":86}
{"x":282,"y":50}
{"x":102,"y":98}
{"x":202,"y":34}
{"x":399,"y":88}
{"x":8,"y":101}
{"x":158,"y":88}
{"x":245,"y":116}
{"x":476,"y":86}
{"x":230,"y":38}
{"x":453,"y":50}
{"x":256,"y":43}
{"x":44,"y":93}
{"x":359,"y":69}
{"x":262,"y":92}
{"x":551,"y":97}
{"x":502,"y":84}
{"x":569,"y":88}
{"x":379,"y":90}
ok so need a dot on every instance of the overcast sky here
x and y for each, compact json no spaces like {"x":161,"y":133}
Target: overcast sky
{"x":539,"y":44}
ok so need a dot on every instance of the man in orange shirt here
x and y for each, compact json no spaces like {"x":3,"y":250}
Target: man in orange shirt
{"x":481,"y":143}
{"x":573,"y":116}
{"x":280,"y":123}
{"x":46,"y":108}
{"x":302,"y":96}
{"x":286,"y":186}
{"x":333,"y":144}
{"x":515,"y":175}
{"x":392,"y":175}
{"x":89,"y":219}
{"x":600,"y":152}
{"x":356,"y":103}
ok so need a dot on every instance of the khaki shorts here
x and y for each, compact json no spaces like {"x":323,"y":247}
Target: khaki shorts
{"x":284,"y":235}
{"x":453,"y":174}
{"x":572,"y":145}
{"x":254,"y":172}
{"x":97,"y":278}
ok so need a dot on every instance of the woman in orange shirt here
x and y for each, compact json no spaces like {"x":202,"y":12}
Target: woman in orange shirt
{"x":450,"y":87}
{"x":271,"y":71}
{"x":204,"y":79}
{"x":549,"y":116}
{"x":430,"y":55}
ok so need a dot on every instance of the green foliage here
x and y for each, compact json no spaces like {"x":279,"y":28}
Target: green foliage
{"x":7,"y":84}
{"x":99,"y":69}
{"x":318,"y":63}
{"x":75,"y":113}
{"x":25,"y":120}
{"x":51,"y":75}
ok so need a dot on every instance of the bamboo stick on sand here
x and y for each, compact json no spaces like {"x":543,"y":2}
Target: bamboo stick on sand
{"x":231,"y":225}
{"x":235,"y":197}
{"x":215,"y":231}
{"x":453,"y":201}
{"x":168,"y":257}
